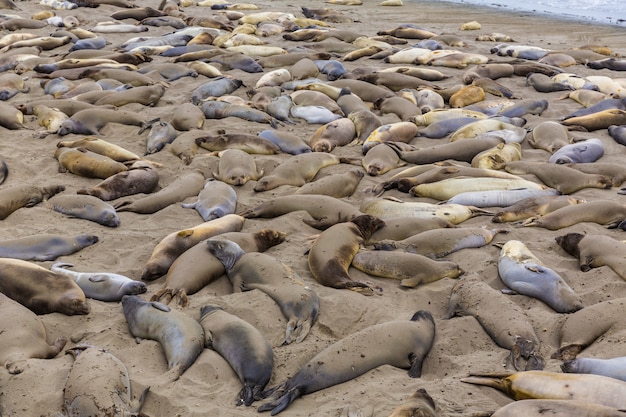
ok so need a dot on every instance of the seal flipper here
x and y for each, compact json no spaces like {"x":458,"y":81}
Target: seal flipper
{"x":281,"y":403}
{"x":246,"y":395}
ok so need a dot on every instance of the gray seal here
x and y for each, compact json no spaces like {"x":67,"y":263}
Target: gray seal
{"x":85,"y":207}
{"x":614,"y":367}
{"x":215,"y":200}
{"x":402,"y":343}
{"x":180,"y":335}
{"x":103,"y":286}
{"x":44,"y":247}
{"x":245,"y":349}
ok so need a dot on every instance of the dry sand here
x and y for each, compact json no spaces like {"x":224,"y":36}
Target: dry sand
{"x":209,"y":387}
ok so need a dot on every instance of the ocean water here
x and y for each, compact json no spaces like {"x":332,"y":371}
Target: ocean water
{"x":610,"y":12}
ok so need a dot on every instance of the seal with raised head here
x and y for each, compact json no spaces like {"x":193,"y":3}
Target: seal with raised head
{"x":44,"y":247}
{"x":41,"y":290}
{"x":248,"y":271}
{"x":401,"y":343}
{"x":332,"y":252}
{"x":245,"y":349}
{"x":103,"y":286}
{"x":196,"y":268}
{"x":180,"y":335}
{"x":98,"y":384}
{"x":524,"y":273}
{"x":502,"y":319}
{"x":14,"y":197}
{"x":595,"y":250}
{"x":24,"y":336}
{"x":172,"y":245}
{"x":411,"y":269}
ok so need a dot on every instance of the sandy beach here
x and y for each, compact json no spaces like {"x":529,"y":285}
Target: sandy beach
{"x":209,"y":386}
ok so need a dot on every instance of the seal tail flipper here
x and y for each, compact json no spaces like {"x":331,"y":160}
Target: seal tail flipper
{"x":492,"y":382}
{"x":281,"y":403}
{"x":246,"y":395}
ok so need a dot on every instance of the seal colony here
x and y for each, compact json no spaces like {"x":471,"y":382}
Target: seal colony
{"x":174,"y":74}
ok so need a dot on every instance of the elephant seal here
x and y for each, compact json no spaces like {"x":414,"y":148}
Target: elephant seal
{"x":160,"y":134}
{"x":389,"y":208}
{"x":618,"y":133}
{"x":174,"y":244}
{"x":339,"y":132}
{"x":549,"y":135}
{"x":187,"y":117}
{"x":90,"y":121}
{"x":245,"y":349}
{"x":103,"y":286}
{"x":181,"y":337}
{"x":215,"y":200}
{"x":559,"y":386}
{"x":334,"y":185}
{"x":525,"y":274}
{"x":196,"y":268}
{"x":325,"y":210}
{"x":248,"y":271}
{"x":14,"y":197}
{"x":40,"y":290}
{"x":11,"y":117}
{"x":609,"y":213}
{"x":286,"y":141}
{"x":502,"y":319}
{"x":98,"y":384}
{"x":419,"y":404}
{"x":400,"y":343}
{"x":438,"y":243}
{"x":589,"y":150}
{"x":297,"y":170}
{"x":250,"y":143}
{"x":599,"y":120}
{"x":44,"y":247}
{"x":411,"y":269}
{"x":594,"y":251}
{"x":556,"y":408}
{"x":84,"y":207}
{"x":380,"y":160}
{"x":139,"y":179}
{"x":80,"y":161}
{"x":24,"y":336}
{"x":332,"y":252}
{"x":533,"y":207}
{"x":102,"y":147}
{"x":462,"y":150}
{"x":365,"y":122}
{"x":614,"y":367}
{"x":394,"y":132}
{"x":398,"y":228}
{"x":237,"y":167}
{"x":187,"y":185}
{"x":558,"y":176}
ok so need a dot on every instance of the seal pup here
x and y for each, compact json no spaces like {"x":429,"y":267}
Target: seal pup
{"x":98,"y":384}
{"x":502,"y":319}
{"x":556,"y":385}
{"x":411,"y":269}
{"x":594,"y":251}
{"x":332,"y":253}
{"x":187,"y":185}
{"x":41,"y":290}
{"x":139,"y":179}
{"x":44,"y":247}
{"x":14,"y":197}
{"x":85,"y":207}
{"x":172,"y":245}
{"x":103,"y":286}
{"x":401,"y":343}
{"x":609,"y":213}
{"x":237,"y":167}
{"x":576,"y":333}
{"x":245,"y":349}
{"x":524,"y":273}
{"x":248,"y":271}
{"x":24,"y":336}
{"x":181,"y":337}
{"x":215,"y":200}
{"x":325,"y":210}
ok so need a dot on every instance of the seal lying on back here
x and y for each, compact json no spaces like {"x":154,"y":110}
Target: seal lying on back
{"x":103,"y":286}
{"x":333,"y":251}
{"x":524,"y":273}
{"x":401,"y":343}
{"x":180,"y":335}
{"x":39,"y":289}
{"x":245,"y":349}
{"x":254,"y":270}
{"x":23,"y":336}
{"x":98,"y":384}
